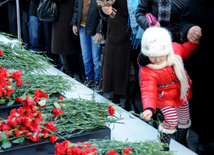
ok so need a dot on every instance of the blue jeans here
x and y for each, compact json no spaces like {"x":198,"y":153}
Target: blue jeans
{"x":35,"y":27}
{"x":91,"y":53}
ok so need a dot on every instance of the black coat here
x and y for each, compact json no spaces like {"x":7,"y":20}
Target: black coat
{"x":63,"y":39}
{"x":93,"y":21}
{"x":201,"y":13}
{"x":151,"y":6}
{"x":116,"y":58}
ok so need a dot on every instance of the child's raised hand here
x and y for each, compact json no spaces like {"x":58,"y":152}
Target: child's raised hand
{"x":146,"y":115}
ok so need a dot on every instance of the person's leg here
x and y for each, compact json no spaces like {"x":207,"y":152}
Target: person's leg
{"x":66,"y":65}
{"x":25,"y":32}
{"x":96,"y":54}
{"x":168,"y":127}
{"x":34,"y":26}
{"x":85,"y":42}
{"x":12,"y":18}
{"x":184,"y":123}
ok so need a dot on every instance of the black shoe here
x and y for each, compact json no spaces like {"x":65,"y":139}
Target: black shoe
{"x":202,"y":149}
{"x":116,"y":98}
{"x":89,"y":83}
{"x":97,"y":88}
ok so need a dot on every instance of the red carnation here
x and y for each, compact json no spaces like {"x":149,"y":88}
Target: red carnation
{"x":30,"y":102}
{"x":36,"y":99}
{"x":5,"y":127}
{"x":40,"y":94}
{"x":19,"y":100}
{"x":22,"y":128}
{"x":61,"y":98}
{"x":66,"y":143}
{"x":127,"y":151}
{"x":51,"y":126}
{"x":45,"y":136}
{"x":53,"y":138}
{"x":17,"y":74}
{"x":39,"y":115}
{"x":1,"y":52}
{"x":27,"y":134}
{"x":69,"y":151}
{"x":45,"y":130}
{"x":111,"y":110}
{"x":76,"y":150}
{"x":112,"y":152}
{"x":26,"y":122}
{"x":19,"y":82}
{"x":16,"y":132}
{"x":13,"y":111}
{"x":56,"y":111}
{"x":34,"y":139}
{"x":60,"y":149}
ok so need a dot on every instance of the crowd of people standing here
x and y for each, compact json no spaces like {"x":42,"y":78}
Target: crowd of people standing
{"x":73,"y":41}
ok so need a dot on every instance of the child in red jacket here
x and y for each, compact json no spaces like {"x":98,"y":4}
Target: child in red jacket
{"x":165,"y":83}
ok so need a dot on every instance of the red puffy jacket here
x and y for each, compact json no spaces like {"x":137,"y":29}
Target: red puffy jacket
{"x":161,"y":88}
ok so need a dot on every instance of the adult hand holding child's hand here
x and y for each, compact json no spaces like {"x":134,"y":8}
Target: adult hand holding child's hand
{"x":194,"y":34}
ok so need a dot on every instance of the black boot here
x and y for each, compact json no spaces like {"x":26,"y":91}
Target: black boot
{"x":181,"y":135}
{"x":165,"y":136}
{"x":165,"y":139}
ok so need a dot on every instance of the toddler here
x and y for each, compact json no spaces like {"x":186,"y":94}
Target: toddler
{"x":165,"y":83}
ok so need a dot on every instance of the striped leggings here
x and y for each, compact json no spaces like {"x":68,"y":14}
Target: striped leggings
{"x":175,"y":115}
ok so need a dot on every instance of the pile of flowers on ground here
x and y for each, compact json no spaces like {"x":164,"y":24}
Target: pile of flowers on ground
{"x":15,"y":56}
{"x":43,"y":117}
{"x":110,"y":147}
{"x":48,"y":83}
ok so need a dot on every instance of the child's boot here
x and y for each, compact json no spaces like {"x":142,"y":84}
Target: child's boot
{"x":165,"y":136}
{"x":182,"y":133}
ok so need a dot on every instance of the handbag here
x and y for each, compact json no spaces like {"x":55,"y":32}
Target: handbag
{"x":47,"y":10}
{"x":151,"y":19}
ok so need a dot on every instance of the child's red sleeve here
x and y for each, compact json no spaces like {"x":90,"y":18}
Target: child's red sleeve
{"x":148,"y":89}
{"x":185,"y":49}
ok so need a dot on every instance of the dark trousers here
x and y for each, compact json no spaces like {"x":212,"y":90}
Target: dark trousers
{"x":12,"y":17}
{"x":25,"y":20}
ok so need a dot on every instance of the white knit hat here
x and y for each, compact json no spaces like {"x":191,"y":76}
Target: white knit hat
{"x":156,"y":42}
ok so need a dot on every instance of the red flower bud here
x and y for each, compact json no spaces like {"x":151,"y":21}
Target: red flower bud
{"x":111,"y":110}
